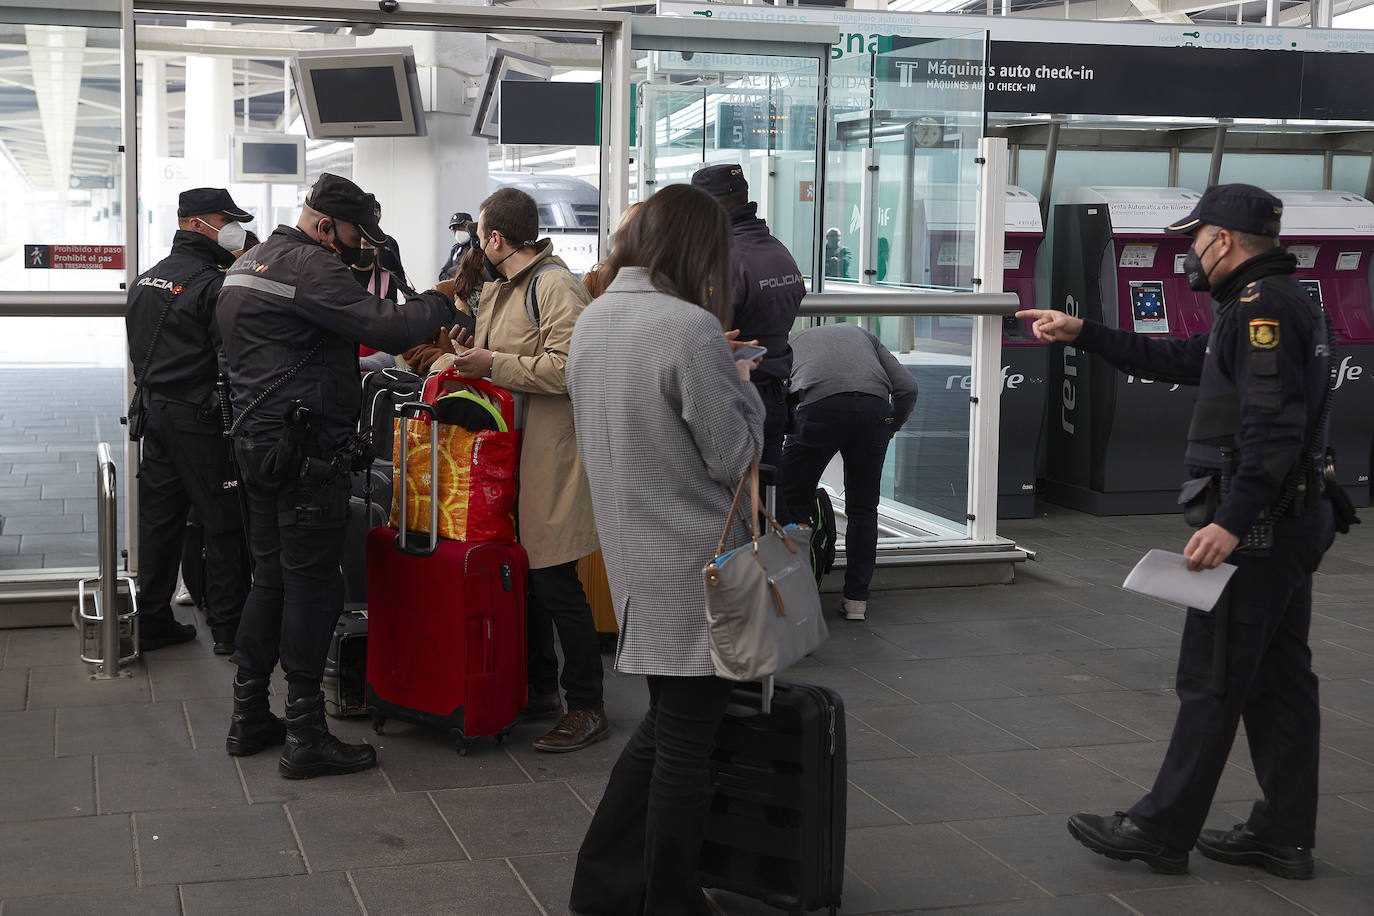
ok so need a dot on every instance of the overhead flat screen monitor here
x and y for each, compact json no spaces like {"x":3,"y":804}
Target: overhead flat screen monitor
{"x":367,"y":92}
{"x":505,"y":66}
{"x":551,"y":114}
{"x":264,"y":157}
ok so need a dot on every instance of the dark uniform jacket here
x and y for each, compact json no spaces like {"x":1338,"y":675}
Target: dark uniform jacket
{"x":183,"y":365}
{"x":1262,"y":373}
{"x":455,"y":254}
{"x":290,"y":293}
{"x":768,"y":290}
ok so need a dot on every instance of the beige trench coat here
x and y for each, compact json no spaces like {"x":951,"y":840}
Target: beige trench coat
{"x":555,"y":503}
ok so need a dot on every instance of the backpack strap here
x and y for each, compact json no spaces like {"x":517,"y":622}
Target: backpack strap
{"x":531,"y":297}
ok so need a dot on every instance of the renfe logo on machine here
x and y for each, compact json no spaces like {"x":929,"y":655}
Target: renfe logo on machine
{"x":1010,"y":380}
{"x":1348,"y":371}
{"x":1069,"y":399}
{"x":74,"y":257}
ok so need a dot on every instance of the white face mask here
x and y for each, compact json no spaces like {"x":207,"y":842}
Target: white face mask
{"x":231,"y":237}
{"x":461,"y":237}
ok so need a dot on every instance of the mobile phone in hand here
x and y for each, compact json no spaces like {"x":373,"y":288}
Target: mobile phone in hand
{"x":750,"y":353}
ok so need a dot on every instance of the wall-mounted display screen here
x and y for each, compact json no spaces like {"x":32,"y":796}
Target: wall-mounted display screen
{"x":264,"y":157}
{"x":368,"y":92}
{"x":551,"y":114}
{"x":505,"y":66}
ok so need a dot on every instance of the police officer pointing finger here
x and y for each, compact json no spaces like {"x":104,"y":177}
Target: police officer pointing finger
{"x":184,"y":459}
{"x":1255,"y":495}
{"x":293,"y":316}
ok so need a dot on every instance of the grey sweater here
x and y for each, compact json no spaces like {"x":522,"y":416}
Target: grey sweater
{"x":836,"y":358}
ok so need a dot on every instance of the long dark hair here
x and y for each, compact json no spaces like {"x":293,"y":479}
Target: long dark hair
{"x":469,"y":277}
{"x":683,"y":237}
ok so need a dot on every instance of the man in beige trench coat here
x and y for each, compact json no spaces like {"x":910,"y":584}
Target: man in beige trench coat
{"x":526,"y":353}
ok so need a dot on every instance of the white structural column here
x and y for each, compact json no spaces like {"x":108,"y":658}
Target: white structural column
{"x":420,"y":181}
{"x":56,"y":58}
{"x":985,"y":407}
{"x":209,"y":105}
{"x":1321,"y":13}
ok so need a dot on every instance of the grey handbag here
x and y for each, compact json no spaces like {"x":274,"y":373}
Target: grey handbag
{"x":763,"y":612}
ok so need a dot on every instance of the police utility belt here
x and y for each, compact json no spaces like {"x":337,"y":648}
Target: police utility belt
{"x":314,"y":486}
{"x":1303,"y":486}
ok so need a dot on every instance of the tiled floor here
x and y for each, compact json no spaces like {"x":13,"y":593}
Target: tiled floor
{"x":50,"y":420}
{"x":978,"y":718}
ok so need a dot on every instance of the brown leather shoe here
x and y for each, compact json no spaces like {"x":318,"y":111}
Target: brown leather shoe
{"x":542,"y":706}
{"x":580,"y":728}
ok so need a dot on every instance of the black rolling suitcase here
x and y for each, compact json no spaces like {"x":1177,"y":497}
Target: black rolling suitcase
{"x":345,"y":668}
{"x":362,"y":518}
{"x":777,"y":822}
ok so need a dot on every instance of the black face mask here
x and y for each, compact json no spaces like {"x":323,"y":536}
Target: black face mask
{"x":1198,"y":278}
{"x":489,"y":266}
{"x":367,"y":259}
{"x":347,"y":253}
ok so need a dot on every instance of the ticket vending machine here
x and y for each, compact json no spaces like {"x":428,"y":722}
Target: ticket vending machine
{"x":1332,"y":235}
{"x":1116,"y":441}
{"x":1023,"y":357}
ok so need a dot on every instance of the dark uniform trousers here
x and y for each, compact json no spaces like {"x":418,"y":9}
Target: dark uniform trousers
{"x":298,"y":586}
{"x":851,"y":425}
{"x":185,"y":462}
{"x":556,"y":601}
{"x":1269,"y":684}
{"x":774,"y":397}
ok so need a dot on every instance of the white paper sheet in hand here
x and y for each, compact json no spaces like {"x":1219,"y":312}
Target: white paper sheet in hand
{"x":1165,"y":575}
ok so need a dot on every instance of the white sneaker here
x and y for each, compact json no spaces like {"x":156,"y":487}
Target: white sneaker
{"x":854,"y":610}
{"x":183,"y":597}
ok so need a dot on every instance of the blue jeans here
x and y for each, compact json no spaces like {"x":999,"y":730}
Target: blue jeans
{"x":851,"y":425}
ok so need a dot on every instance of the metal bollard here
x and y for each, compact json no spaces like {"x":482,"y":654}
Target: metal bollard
{"x":102,"y":628}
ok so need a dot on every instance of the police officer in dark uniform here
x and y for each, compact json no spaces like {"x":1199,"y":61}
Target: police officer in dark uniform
{"x":184,"y":458}
{"x":462,"y":227}
{"x":768,"y":292}
{"x":1253,"y":458}
{"x":292,"y":316}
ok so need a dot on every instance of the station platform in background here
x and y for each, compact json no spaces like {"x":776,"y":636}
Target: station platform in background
{"x":979,"y":718}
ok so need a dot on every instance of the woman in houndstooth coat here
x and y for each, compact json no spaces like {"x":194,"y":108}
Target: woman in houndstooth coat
{"x":667,"y":422}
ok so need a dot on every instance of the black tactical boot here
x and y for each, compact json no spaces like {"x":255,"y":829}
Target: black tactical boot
{"x":253,"y":727}
{"x":310,"y":749}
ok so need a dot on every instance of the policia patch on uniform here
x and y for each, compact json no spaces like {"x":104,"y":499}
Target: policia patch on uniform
{"x":1264,"y":333}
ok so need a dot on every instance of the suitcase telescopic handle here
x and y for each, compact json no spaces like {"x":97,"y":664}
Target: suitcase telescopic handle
{"x":418,"y":409}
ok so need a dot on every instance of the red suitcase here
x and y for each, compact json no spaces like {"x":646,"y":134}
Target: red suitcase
{"x":446,"y":628}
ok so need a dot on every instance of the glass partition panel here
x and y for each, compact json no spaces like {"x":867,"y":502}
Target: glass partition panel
{"x":1350,"y":173}
{"x":62,"y":384}
{"x":926,"y":473}
{"x":903,"y":175}
{"x":1296,"y":171}
{"x":695,"y":109}
{"x":60,"y":187}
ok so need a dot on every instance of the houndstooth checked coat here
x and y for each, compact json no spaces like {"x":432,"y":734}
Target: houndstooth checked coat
{"x":665,"y":428}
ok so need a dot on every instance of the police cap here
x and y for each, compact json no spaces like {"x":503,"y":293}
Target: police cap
{"x":461,"y":218}
{"x":1238,"y":207}
{"x":203,"y":201}
{"x":720,"y":180}
{"x":342,"y":199}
